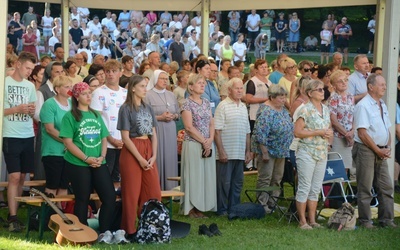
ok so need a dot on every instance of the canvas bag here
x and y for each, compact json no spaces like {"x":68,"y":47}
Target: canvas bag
{"x":154,"y":224}
{"x":343,"y":218}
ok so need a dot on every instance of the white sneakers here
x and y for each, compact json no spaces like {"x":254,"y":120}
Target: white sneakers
{"x":106,"y":237}
{"x":118,"y":237}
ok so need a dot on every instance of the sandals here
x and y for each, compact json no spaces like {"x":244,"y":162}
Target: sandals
{"x":315,"y":225}
{"x":305,"y":227}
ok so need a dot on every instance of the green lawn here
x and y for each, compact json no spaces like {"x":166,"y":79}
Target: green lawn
{"x":267,"y":233}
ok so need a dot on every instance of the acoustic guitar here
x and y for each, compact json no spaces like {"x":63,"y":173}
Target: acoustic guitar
{"x":67,"y":227}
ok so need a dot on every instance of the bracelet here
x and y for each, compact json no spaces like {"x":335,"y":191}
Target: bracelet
{"x":86,"y":158}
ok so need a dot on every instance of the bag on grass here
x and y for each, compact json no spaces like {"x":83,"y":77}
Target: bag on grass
{"x":247,"y":210}
{"x":343,"y":219}
{"x":154,"y":224}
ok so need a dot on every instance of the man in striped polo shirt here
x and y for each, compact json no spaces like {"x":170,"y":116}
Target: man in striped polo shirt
{"x":232,"y":138}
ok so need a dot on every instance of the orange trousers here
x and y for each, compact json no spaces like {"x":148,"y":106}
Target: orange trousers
{"x":137,"y":185}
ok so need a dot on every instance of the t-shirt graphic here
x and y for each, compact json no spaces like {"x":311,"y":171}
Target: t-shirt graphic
{"x":145,"y":122}
{"x":89,"y":133}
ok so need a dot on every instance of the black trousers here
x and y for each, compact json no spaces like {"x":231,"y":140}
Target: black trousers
{"x":83,"y":181}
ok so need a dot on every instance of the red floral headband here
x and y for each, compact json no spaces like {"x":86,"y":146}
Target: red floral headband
{"x":79,"y":88}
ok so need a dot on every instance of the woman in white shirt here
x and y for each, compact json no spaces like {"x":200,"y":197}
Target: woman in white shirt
{"x":239,"y":49}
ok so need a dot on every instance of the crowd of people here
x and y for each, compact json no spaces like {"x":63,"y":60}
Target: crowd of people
{"x":108,"y":124}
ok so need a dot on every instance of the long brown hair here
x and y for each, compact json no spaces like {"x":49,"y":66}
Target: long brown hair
{"x":130,"y":99}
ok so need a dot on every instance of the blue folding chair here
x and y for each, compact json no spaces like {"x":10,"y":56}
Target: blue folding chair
{"x":335,"y":174}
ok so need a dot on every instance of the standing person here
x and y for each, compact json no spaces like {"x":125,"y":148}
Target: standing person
{"x":257,"y":89}
{"x":239,"y":49}
{"x":29,"y":41}
{"x":226,"y":49}
{"x":232,"y":139}
{"x":341,"y":105}
{"x":253,"y":28}
{"x":343,"y":32}
{"x":180,"y":90}
{"x":326,"y":37}
{"x":71,"y":70}
{"x":371,"y":33}
{"x":210,"y":91}
{"x":294,"y":33}
{"x":18,"y":134}
{"x":176,"y":50}
{"x":84,"y":135}
{"x":28,"y":17}
{"x":272,"y":135}
{"x":166,"y":111}
{"x":51,"y":115}
{"x":313,"y":127}
{"x":358,"y":79}
{"x":107,"y":100}
{"x":46,"y":23}
{"x":19,"y":29}
{"x":331,"y":22}
{"x":198,"y":155}
{"x":370,"y":152}
{"x":289,"y":67}
{"x":281,"y":25}
{"x":234,"y":25}
{"x":266,"y":24}
{"x":278,"y":72}
{"x":139,"y":174}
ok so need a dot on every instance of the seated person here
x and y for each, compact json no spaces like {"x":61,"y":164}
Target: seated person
{"x":311,"y":43}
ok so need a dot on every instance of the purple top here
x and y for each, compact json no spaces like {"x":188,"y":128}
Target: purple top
{"x":201,"y":116}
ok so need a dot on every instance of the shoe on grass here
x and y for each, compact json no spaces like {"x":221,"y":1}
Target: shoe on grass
{"x":119,"y":237}
{"x":203,"y":230}
{"x":106,"y":237}
{"x":214,"y":229}
{"x":14,"y":226}
{"x":389,"y":224}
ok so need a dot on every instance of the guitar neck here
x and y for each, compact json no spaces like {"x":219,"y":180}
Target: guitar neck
{"x":50,"y":203}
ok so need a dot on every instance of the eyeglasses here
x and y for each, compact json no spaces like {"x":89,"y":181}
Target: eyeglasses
{"x":163,"y":78}
{"x":327,"y":75}
{"x":307,"y":70}
{"x":100,"y":74}
{"x":292,"y":67}
{"x":320,"y":90}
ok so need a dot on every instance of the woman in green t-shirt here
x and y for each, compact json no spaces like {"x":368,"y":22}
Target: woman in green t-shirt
{"x":84,"y":135}
{"x":52,"y":148}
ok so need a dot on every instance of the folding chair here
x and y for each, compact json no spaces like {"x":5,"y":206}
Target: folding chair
{"x":335,"y":174}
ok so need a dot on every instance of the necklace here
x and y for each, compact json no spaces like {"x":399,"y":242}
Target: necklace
{"x":165,"y":98}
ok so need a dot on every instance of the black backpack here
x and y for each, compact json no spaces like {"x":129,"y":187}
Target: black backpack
{"x":154,"y":224}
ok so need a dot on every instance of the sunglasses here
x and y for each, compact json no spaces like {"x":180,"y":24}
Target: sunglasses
{"x":307,"y":70}
{"x":319,"y":90}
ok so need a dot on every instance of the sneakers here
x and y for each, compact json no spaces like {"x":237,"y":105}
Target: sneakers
{"x":119,"y":237}
{"x":367,"y":225}
{"x":106,"y":237}
{"x":389,"y":224}
{"x":15,"y":226}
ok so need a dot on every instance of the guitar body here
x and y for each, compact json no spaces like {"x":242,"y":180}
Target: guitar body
{"x":71,"y":231}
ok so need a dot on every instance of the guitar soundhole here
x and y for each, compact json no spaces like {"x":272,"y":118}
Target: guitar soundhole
{"x":69,"y":222}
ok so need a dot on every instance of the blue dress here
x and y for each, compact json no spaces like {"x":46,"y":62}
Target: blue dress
{"x":294,"y":36}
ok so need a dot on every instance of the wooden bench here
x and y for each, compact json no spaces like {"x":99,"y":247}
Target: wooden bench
{"x":36,"y":183}
{"x":38,"y":201}
{"x":245,"y":173}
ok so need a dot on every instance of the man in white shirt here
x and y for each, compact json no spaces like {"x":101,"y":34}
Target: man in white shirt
{"x":253,"y":28}
{"x":358,"y":79}
{"x":95,"y":26}
{"x":310,"y":43}
{"x":105,"y":20}
{"x":84,"y":13}
{"x":75,"y":15}
{"x":371,"y":33}
{"x":175,"y":23}
{"x":370,"y":153}
{"x":56,"y":38}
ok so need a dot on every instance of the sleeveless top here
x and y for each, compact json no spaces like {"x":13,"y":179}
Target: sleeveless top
{"x":227,"y":53}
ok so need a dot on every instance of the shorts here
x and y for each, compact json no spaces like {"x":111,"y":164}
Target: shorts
{"x":342,"y":43}
{"x":371,"y":36}
{"x":281,"y":35}
{"x":325,"y":49}
{"x":47,"y":33}
{"x":18,"y":154}
{"x":56,"y":173}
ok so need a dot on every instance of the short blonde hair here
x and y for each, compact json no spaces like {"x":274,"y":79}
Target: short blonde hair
{"x":60,"y":81}
{"x":286,"y":62}
{"x":194,"y":78}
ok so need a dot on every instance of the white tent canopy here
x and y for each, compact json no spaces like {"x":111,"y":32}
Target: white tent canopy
{"x":195,"y":5}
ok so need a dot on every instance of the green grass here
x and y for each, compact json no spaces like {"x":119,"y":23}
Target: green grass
{"x":267,"y":233}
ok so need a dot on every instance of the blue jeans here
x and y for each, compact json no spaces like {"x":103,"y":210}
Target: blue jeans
{"x":234,"y":36}
{"x":229,"y":184}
